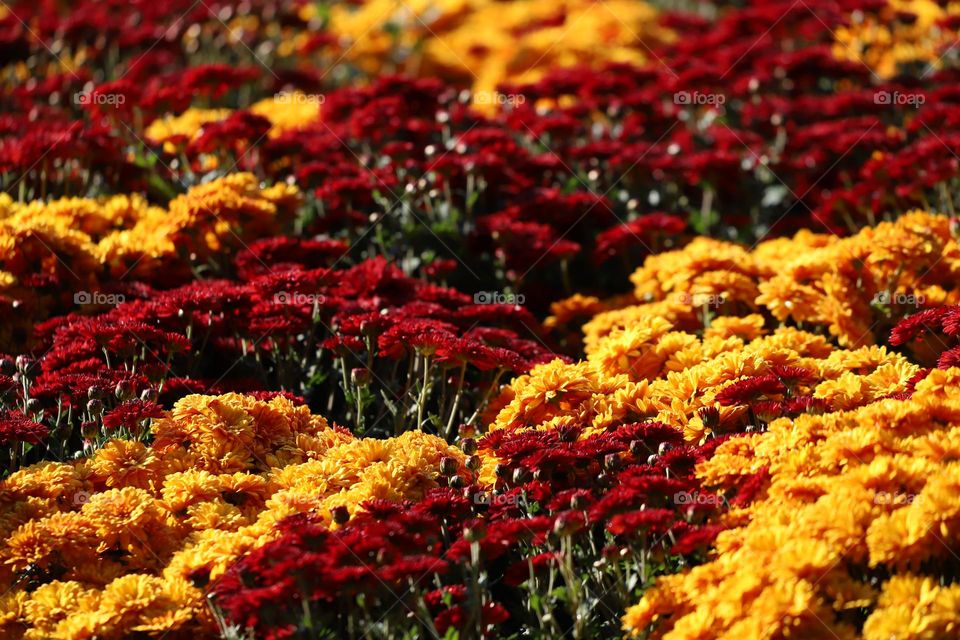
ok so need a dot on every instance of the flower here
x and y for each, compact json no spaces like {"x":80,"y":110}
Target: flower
{"x":122,"y":463}
{"x":131,"y":414}
{"x":15,"y":427}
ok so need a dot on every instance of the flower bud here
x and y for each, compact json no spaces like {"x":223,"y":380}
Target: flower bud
{"x":149,"y":395}
{"x":7,"y":367}
{"x":449,"y":465}
{"x":520,"y":475}
{"x":24,"y":363}
{"x":360,"y":377}
{"x":34,"y":406}
{"x":96,"y":392}
{"x":472,"y":463}
{"x":456,"y":482}
{"x":89,"y":430}
{"x":94,"y":407}
{"x":124,"y":390}
{"x":469,"y":446}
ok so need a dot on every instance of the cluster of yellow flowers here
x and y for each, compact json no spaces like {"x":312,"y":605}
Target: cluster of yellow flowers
{"x":902,"y":33}
{"x":649,"y":371}
{"x":203,"y":222}
{"x":696,"y":325}
{"x":127,"y":531}
{"x":125,"y":235}
{"x":285,"y":111}
{"x":486,"y":42}
{"x":854,"y":497}
{"x":847,"y":286}
{"x":860,"y":509}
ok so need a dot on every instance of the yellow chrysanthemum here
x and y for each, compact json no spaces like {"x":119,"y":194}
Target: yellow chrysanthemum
{"x":132,"y":527}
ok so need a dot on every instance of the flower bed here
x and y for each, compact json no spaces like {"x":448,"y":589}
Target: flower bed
{"x":478,"y":319}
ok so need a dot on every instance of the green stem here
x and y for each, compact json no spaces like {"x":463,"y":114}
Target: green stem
{"x":456,"y":402}
{"x":423,"y":391}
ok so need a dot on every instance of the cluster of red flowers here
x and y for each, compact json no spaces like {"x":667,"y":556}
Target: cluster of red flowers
{"x":295,"y":321}
{"x":463,"y":557}
{"x":767,"y":397}
{"x":16,"y":427}
{"x":797,"y":126}
{"x":932,"y":335}
{"x":101,"y":70}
